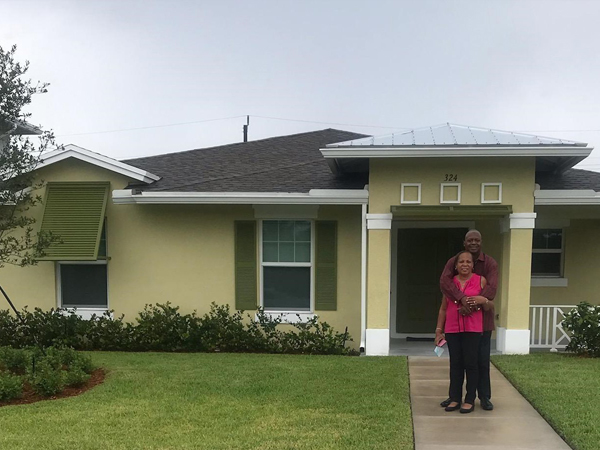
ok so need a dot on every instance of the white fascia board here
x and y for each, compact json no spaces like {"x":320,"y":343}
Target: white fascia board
{"x":314,"y":197}
{"x":566,"y":197}
{"x":98,"y":160}
{"x":453,"y":152}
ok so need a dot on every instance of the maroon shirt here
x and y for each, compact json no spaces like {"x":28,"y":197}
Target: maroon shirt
{"x":485,"y":266}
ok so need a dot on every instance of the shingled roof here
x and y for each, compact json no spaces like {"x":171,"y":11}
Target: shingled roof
{"x":571,"y":179}
{"x":280,"y":164}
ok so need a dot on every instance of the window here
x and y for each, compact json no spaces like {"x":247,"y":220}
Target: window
{"x":83,"y":284}
{"x":286,"y":265}
{"x":547,"y":257}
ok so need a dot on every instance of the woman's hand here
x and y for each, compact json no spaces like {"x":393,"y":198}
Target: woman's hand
{"x":476,"y":302}
{"x":439,"y":336}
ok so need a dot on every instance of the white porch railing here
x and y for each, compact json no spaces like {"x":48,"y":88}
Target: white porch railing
{"x":545,"y":323}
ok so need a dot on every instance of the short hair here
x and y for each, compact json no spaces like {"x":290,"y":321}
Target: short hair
{"x":473,"y":230}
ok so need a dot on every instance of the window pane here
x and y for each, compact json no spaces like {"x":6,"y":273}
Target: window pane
{"x":545,"y":264}
{"x":286,"y":252}
{"x":102,"y":244}
{"x":302,"y":251}
{"x":270,"y":231}
{"x":286,"y":230}
{"x":83,"y":285}
{"x":287,"y":288}
{"x":302,"y":231}
{"x":547,"y":239}
{"x":270,"y":251}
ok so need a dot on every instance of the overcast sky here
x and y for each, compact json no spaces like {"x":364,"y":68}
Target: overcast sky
{"x":367,"y":66}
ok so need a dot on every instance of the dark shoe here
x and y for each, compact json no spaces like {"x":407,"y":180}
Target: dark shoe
{"x":486,"y":405}
{"x":467,"y":410}
{"x":452,"y":408}
{"x":446,"y":402}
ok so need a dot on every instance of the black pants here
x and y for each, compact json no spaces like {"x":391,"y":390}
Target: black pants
{"x":464,"y":351}
{"x":484,"y":388}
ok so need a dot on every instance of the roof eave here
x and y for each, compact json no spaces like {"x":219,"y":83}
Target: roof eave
{"x":573,"y":197}
{"x":454,"y":151}
{"x":313,"y":197}
{"x":98,"y":160}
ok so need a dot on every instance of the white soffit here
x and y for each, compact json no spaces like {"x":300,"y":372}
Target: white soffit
{"x":566,"y":197}
{"x":73,"y":151}
{"x":314,"y":197}
{"x":451,"y":140}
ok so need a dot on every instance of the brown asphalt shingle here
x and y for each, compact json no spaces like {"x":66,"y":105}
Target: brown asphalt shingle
{"x":280,"y":164}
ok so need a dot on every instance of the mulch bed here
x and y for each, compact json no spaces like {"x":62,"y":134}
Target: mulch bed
{"x":96,"y":378}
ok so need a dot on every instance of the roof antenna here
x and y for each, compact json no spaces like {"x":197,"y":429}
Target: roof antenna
{"x":246,"y":128}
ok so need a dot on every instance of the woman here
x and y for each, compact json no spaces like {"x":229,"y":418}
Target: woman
{"x":462,"y":328}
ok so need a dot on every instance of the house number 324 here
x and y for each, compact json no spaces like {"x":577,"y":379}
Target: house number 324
{"x":451,"y":177}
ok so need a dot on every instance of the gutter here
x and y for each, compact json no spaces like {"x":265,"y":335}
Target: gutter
{"x":573,"y":197}
{"x":453,"y":152}
{"x":313,"y":197}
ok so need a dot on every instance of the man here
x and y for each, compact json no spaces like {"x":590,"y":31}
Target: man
{"x":486,"y":266}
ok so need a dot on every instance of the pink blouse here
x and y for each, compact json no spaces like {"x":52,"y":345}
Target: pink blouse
{"x":457,"y":323}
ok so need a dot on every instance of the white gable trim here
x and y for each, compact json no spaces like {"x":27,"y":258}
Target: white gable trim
{"x":314,"y":197}
{"x":566,"y":197}
{"x":454,"y":152}
{"x":82,"y":154}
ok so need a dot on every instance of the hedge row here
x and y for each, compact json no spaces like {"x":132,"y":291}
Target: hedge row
{"x":162,"y":327}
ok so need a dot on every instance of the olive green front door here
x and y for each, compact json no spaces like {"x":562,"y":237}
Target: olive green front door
{"x":422,"y":254}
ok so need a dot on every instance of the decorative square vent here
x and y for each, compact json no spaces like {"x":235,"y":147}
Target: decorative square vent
{"x":410,"y":194}
{"x":491,"y":192}
{"x":450,"y":193}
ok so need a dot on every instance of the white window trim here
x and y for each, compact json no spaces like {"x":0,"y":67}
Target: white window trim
{"x":84,"y":313}
{"x":453,"y":202}
{"x":484,"y":185}
{"x":403,"y":201}
{"x":289,"y":317}
{"x":277,"y":312}
{"x":545,"y":280}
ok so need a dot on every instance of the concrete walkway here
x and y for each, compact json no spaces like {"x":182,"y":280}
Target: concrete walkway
{"x":513,"y":424}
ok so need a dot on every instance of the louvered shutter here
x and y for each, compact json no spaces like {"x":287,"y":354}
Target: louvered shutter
{"x":326,"y":265}
{"x":245,"y":265}
{"x":74,"y":212}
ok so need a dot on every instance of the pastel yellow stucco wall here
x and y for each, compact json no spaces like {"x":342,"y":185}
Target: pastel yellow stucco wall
{"x":179,"y":253}
{"x":516,"y":175}
{"x":581,"y":264}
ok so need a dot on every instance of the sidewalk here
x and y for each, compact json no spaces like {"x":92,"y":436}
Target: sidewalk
{"x":513,"y":424}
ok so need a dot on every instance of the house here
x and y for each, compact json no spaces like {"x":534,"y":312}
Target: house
{"x":352,"y":228}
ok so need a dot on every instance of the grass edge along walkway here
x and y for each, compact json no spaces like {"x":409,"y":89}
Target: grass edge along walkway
{"x":225,"y":401}
{"x":563,"y":388}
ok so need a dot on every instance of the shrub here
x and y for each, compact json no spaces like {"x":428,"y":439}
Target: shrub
{"x":14,"y":360}
{"x":76,"y":375}
{"x":162,"y":328}
{"x":47,"y":380}
{"x":11,"y":386}
{"x":583,"y":323}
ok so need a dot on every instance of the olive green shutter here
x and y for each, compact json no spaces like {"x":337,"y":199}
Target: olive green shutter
{"x":326,"y":265}
{"x":245,"y":265}
{"x":75,"y":213}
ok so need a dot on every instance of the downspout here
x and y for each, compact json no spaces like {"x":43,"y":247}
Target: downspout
{"x":363,"y":280}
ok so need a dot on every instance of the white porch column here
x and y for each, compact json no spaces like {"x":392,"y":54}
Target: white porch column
{"x":512,"y":336}
{"x":378,"y":284}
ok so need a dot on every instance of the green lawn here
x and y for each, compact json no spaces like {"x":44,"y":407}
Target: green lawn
{"x":224,"y":401}
{"x":565,"y":389}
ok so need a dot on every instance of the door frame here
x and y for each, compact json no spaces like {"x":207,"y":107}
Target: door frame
{"x":403,"y":224}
